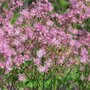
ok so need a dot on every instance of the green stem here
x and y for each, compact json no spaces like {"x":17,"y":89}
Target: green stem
{"x":51,"y":83}
{"x":67,"y":75}
{"x":43,"y":82}
{"x":55,"y":84}
{"x":25,"y":73}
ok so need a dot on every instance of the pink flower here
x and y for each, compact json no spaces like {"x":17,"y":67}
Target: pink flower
{"x":41,"y":69}
{"x":1,"y":32}
{"x":19,"y":3}
{"x":37,"y":61}
{"x":48,"y":63}
{"x":55,"y":41}
{"x":88,"y":78}
{"x":41,"y":53}
{"x":2,"y":65}
{"x":23,"y":37}
{"x":25,"y":13}
{"x":46,"y":67}
{"x":8,"y":65}
{"x":22,"y":77}
{"x":29,"y":32}
{"x":40,"y":27}
{"x":19,"y":60}
{"x":20,"y":20}
{"x":16,"y":42}
{"x":49,"y":23}
{"x":72,"y":42}
{"x":84,"y":55}
{"x":61,"y":60}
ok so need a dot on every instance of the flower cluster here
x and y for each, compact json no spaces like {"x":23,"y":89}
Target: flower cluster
{"x":40,"y":35}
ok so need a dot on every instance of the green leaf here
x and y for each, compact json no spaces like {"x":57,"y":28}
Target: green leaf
{"x":14,"y":18}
